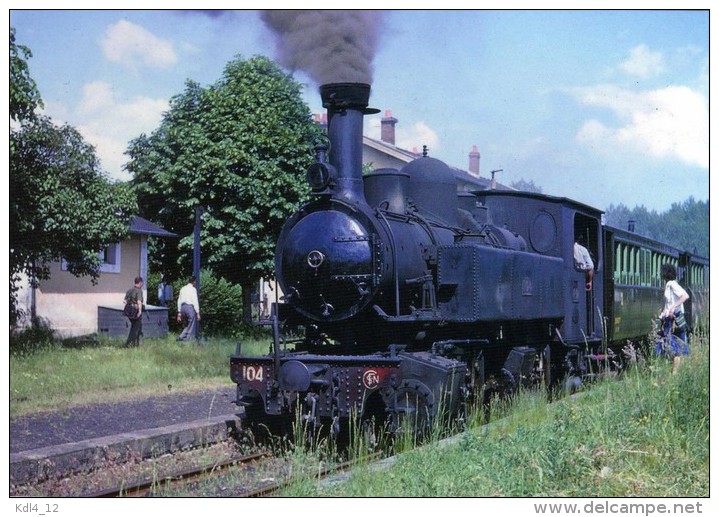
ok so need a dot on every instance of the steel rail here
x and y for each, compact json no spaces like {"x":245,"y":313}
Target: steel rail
{"x":147,"y":486}
{"x":277,"y":486}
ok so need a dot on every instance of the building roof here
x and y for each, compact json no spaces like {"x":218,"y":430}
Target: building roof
{"x":142,"y":226}
{"x":407,"y":156}
{"x":389,"y":149}
{"x":482,"y":183}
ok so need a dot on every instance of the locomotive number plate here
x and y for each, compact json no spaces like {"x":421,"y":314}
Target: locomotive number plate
{"x":253,"y":373}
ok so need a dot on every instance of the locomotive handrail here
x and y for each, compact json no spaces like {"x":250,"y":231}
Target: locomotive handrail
{"x":275,"y":338}
{"x":381,"y":215}
{"x":428,"y":226}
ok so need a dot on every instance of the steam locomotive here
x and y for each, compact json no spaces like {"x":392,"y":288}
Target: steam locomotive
{"x":415,"y":300}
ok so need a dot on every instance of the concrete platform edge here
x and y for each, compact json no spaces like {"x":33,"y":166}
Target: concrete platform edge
{"x":38,"y":465}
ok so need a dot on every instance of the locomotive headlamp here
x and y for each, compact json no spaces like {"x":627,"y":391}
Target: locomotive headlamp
{"x":319,"y":175}
{"x":315,"y":259}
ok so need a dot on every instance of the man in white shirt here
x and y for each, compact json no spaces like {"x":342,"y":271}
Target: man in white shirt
{"x":583,"y":262}
{"x":188,"y":306}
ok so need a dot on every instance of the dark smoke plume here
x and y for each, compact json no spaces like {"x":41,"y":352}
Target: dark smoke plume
{"x":330,"y":46}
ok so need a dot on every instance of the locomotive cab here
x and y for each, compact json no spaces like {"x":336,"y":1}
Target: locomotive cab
{"x":552,"y":226}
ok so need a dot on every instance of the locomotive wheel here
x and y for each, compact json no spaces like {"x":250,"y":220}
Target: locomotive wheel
{"x":413,"y":410}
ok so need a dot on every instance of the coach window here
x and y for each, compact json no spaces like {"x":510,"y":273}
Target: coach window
{"x":652,"y":267}
{"x":628,"y":264}
{"x":642,"y":266}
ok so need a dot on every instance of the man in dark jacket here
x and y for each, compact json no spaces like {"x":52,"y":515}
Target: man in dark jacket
{"x":134,"y":296}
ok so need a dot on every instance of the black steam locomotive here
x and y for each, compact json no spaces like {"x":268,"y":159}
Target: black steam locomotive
{"x":414,"y":299}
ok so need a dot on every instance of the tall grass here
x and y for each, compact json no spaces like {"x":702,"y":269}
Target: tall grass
{"x":644,"y":435}
{"x":49,"y":374}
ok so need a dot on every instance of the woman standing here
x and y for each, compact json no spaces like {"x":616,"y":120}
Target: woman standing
{"x":673,"y":320}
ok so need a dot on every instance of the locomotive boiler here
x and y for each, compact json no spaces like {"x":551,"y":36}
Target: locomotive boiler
{"x":413,"y":299}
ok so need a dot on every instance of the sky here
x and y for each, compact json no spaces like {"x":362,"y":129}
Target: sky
{"x":604,"y":107}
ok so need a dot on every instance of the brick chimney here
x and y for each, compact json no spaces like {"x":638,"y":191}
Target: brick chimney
{"x":321,"y":120}
{"x":474,"y":161}
{"x":388,"y":123}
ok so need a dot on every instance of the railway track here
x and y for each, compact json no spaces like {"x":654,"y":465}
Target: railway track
{"x":275,"y":487}
{"x":250,"y":487}
{"x":148,"y":486}
{"x":256,"y":475}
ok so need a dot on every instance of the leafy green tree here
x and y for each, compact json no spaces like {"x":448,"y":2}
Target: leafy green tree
{"x":685,"y":225}
{"x":24,"y":95}
{"x":239,"y":149}
{"x":61,"y":205}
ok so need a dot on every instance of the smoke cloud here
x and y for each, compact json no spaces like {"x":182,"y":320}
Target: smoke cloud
{"x":330,"y":46}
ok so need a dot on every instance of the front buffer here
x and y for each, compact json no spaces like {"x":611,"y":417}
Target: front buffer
{"x":327,"y":388}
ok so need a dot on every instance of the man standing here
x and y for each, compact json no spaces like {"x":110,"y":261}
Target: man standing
{"x":133,"y":296}
{"x":188,"y":306}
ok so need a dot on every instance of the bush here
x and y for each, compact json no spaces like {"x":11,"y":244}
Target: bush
{"x":31,"y":339}
{"x":221,"y":305}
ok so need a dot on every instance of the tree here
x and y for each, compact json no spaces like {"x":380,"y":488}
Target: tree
{"x":24,"y":95}
{"x":238,"y":148}
{"x":61,"y":205}
{"x":685,"y":225}
{"x":526,"y":186}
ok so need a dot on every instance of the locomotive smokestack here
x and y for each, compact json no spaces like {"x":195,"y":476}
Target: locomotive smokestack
{"x":346,"y":105}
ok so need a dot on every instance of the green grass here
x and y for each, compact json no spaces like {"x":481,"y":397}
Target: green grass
{"x":646,"y":435}
{"x":51,"y":374}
